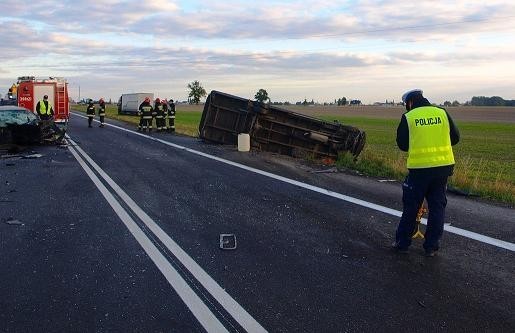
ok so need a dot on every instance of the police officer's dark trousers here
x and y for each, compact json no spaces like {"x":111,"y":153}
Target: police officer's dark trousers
{"x":416,"y":187}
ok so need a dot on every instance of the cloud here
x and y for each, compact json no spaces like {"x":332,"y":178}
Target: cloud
{"x":277,"y":20}
{"x":239,"y":44}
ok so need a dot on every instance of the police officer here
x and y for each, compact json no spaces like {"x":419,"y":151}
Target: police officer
{"x":171,"y":116}
{"x":90,"y":112}
{"x":427,"y":133}
{"x":159,"y":115}
{"x":145,"y":112}
{"x":44,"y":109}
{"x":101,"y":111}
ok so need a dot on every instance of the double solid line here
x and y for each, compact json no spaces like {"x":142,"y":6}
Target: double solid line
{"x":204,"y":314}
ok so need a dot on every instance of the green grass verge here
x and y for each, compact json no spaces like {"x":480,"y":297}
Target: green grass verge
{"x":485,"y":158}
{"x":186,"y":122}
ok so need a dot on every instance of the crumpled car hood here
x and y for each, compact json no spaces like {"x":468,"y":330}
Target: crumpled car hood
{"x":19,"y":126}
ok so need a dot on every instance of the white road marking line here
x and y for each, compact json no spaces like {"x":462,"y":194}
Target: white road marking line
{"x":453,"y":230}
{"x":203,"y":314}
{"x":230,"y":305}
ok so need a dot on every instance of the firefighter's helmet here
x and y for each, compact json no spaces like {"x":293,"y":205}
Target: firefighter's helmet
{"x":100,"y":100}
{"x":147,"y":99}
{"x":158,"y":100}
{"x":163,"y":101}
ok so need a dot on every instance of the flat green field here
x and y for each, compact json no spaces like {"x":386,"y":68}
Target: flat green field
{"x":485,"y":156}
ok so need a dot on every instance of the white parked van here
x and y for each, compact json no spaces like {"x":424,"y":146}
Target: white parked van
{"x":129,"y":103}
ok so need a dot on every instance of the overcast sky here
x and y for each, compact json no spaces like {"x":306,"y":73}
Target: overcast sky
{"x":321,"y":50}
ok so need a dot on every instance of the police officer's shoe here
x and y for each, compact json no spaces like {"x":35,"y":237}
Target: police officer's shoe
{"x":398,"y":249}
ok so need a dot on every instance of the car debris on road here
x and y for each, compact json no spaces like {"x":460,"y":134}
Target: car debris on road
{"x":19,"y":127}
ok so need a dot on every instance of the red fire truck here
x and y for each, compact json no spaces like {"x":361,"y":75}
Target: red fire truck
{"x":31,"y":90}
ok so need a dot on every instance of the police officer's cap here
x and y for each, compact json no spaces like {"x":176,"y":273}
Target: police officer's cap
{"x":408,"y":94}
{"x":45,"y":97}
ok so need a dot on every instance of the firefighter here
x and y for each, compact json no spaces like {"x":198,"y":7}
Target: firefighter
{"x":159,"y":115}
{"x":90,"y":111}
{"x":145,"y":112}
{"x":164,"y":103}
{"x":44,"y":109}
{"x":101,"y":111}
{"x":171,"y":116}
{"x":153,"y":116}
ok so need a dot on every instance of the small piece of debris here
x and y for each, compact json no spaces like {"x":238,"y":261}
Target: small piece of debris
{"x":386,"y":180}
{"x":421,"y":304}
{"x":33,"y":156}
{"x":11,"y":156}
{"x":12,"y":221}
{"x":227,"y":241}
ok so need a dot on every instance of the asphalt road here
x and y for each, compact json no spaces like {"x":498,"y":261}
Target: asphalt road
{"x":119,"y":232}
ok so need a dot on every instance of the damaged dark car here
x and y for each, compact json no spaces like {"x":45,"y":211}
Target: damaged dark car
{"x":20,"y":127}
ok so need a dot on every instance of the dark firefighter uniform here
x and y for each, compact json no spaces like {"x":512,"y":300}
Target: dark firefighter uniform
{"x":164,"y":103}
{"x":427,"y":133}
{"x":101,"y":111}
{"x":90,"y":112}
{"x":154,"y":114}
{"x":44,"y":109}
{"x":145,"y":112}
{"x":171,"y":116}
{"x":159,"y":115}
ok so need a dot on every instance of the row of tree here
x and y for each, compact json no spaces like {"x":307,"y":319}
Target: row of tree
{"x":483,"y":101}
{"x":491,"y":101}
{"x":262,"y":96}
{"x":197,"y":92}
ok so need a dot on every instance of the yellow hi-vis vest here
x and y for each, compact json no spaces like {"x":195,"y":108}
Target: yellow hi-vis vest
{"x":429,"y":138}
{"x":42,"y":108}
